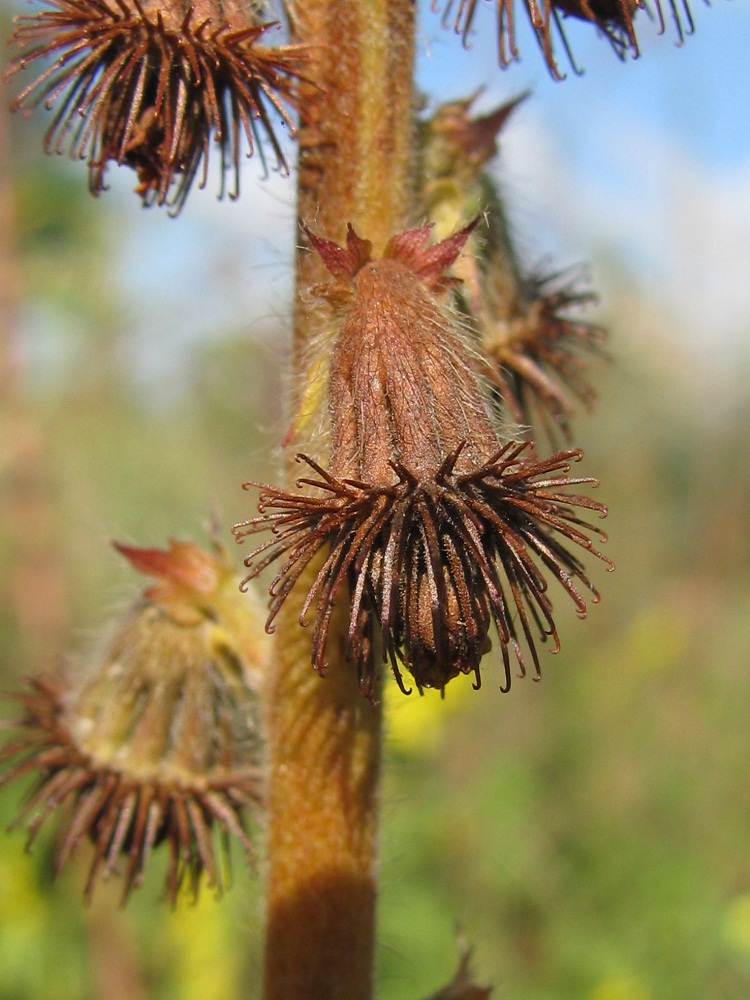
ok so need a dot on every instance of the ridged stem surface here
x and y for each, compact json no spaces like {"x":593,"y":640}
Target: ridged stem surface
{"x":324,"y":737}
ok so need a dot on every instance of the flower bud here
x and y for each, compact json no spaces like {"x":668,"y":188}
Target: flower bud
{"x":156,"y":739}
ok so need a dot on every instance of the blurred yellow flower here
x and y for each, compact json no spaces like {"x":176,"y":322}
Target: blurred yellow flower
{"x":736,"y":925}
{"x":657,"y":639}
{"x":206,"y":965}
{"x":416,"y":724}
{"x":22,"y":907}
{"x":621,"y":987}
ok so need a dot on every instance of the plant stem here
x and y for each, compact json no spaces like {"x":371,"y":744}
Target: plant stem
{"x":356,"y":140}
{"x":324,"y":737}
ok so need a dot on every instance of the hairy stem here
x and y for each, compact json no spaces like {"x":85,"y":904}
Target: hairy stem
{"x":356,"y":142}
{"x":324,"y":737}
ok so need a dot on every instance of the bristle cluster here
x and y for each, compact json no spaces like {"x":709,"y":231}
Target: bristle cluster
{"x":431,"y":561}
{"x":536,"y":353}
{"x":613,"y":18}
{"x":155,"y":738}
{"x":138,"y":84}
{"x":123,"y":816}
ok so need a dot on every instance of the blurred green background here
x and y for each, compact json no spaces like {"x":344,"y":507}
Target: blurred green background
{"x":590,"y":834}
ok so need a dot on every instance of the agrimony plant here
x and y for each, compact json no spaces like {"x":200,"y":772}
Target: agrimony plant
{"x":430,"y":365}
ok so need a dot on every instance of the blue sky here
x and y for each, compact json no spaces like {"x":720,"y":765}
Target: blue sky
{"x":694,"y":91}
{"x":644,"y":163}
{"x":647,"y":161}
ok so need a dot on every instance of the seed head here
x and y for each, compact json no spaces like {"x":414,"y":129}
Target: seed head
{"x":431,"y":527}
{"x":149,"y":85}
{"x":536,"y":351}
{"x":613,"y":18}
{"x":430,"y":562}
{"x":533,"y":346}
{"x":456,"y":147}
{"x":156,"y":740}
